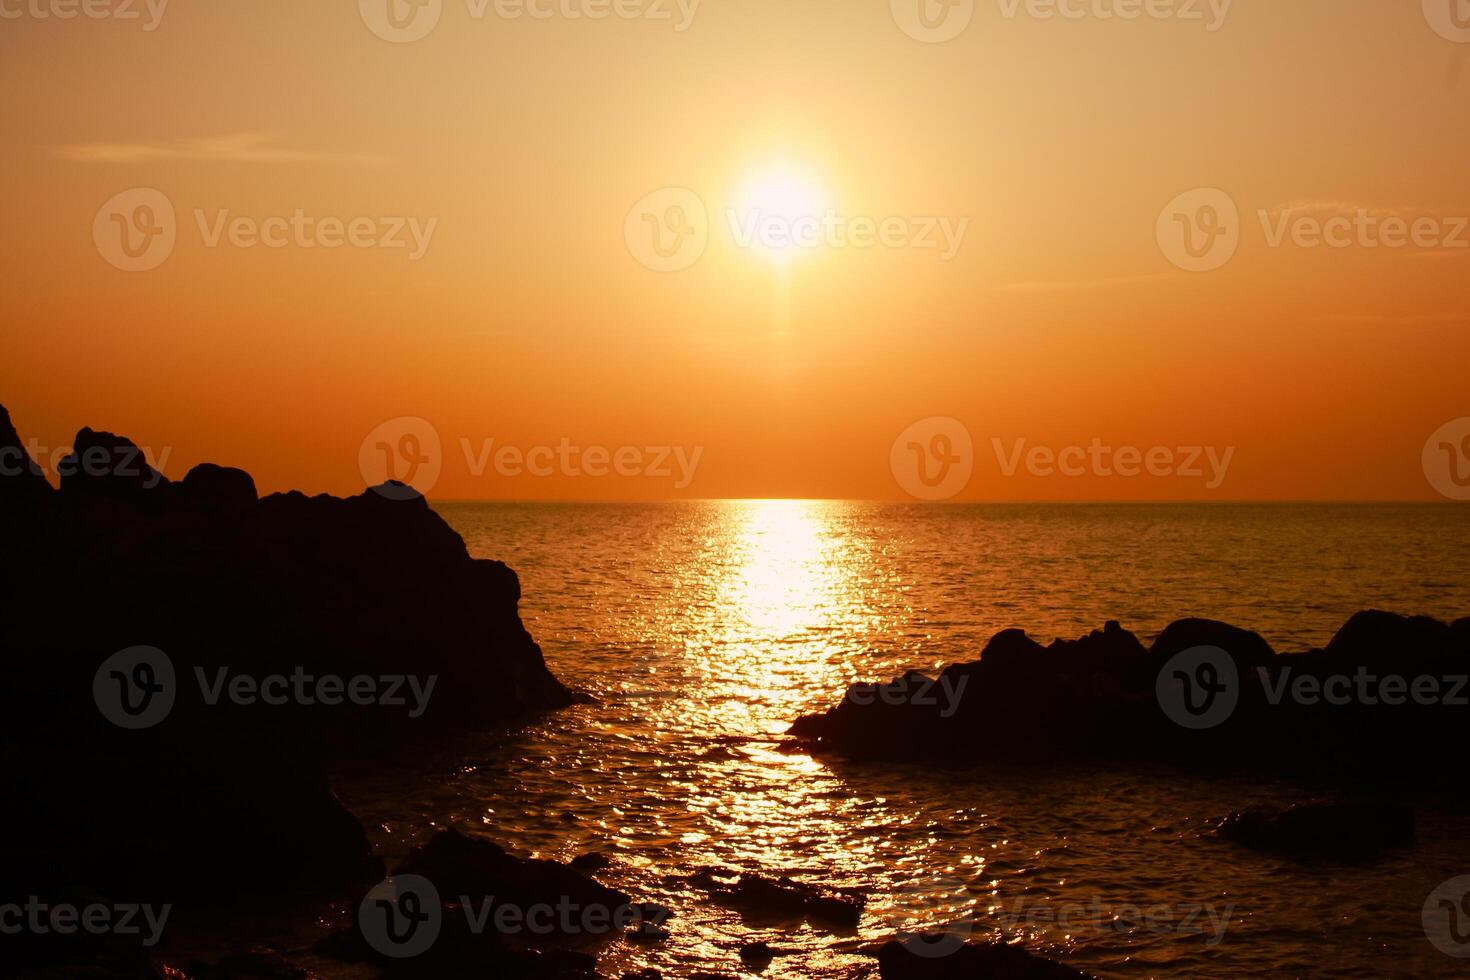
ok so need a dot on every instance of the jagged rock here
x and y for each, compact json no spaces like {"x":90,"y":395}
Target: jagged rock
{"x":22,"y":482}
{"x":108,"y":465}
{"x":1374,"y":637}
{"x":1098,"y":699}
{"x":223,"y":799}
{"x":1336,"y":828}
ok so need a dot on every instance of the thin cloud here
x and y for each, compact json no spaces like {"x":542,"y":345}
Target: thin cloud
{"x":230,"y":148}
{"x":1080,"y":284}
{"x":1350,"y":209}
{"x":1382,"y":320}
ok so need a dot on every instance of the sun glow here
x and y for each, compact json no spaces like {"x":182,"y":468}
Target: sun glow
{"x":780,"y":211}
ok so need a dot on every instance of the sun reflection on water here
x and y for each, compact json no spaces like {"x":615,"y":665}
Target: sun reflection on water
{"x":787,"y":578}
{"x":704,"y":629}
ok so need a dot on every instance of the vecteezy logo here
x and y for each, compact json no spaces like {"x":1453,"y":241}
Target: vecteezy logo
{"x":406,"y":450}
{"x":932,"y":916}
{"x":933,"y":21}
{"x":933,"y":459}
{"x":401,"y":21}
{"x":135,"y":231}
{"x":135,"y":688}
{"x":1199,"y":687}
{"x":668,"y":230}
{"x":401,"y":917}
{"x":1449,"y":18}
{"x":1447,"y":917}
{"x":1199,"y":230}
{"x":1447,"y":459}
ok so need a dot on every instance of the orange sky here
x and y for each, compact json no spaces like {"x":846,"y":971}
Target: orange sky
{"x":531,"y":321}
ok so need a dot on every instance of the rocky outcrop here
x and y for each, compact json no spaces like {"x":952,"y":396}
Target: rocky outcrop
{"x":294,"y":630}
{"x":1203,"y":694}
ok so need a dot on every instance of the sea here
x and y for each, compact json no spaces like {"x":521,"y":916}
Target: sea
{"x":700,"y":630}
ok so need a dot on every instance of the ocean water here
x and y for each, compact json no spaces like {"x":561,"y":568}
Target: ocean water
{"x":703,"y":629}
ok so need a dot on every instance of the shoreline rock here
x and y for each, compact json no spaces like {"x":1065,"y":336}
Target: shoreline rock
{"x":221,"y":800}
{"x":1102,"y":698}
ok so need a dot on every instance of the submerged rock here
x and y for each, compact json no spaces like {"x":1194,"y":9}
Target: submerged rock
{"x":758,"y":953}
{"x":647,"y":932}
{"x":1336,"y":828}
{"x":591,"y":861}
{"x":755,"y":896}
{"x":898,"y":960}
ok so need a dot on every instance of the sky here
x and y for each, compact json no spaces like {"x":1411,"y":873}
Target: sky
{"x":827,"y":248}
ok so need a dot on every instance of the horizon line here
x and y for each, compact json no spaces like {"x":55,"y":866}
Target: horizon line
{"x":945,"y":503}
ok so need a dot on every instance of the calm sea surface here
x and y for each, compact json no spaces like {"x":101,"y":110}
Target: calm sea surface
{"x":704,"y":629}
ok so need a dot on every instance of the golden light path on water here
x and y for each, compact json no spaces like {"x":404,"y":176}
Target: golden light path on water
{"x":703,"y":630}
{"x":785,"y":575}
{"x":789,"y":601}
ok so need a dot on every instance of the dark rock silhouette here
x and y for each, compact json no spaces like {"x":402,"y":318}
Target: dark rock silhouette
{"x":1334,"y":828}
{"x":758,"y":897}
{"x":221,"y":800}
{"x":757,"y":953}
{"x":1099,"y":698}
{"x":899,"y":960}
{"x":22,"y":483}
{"x":105,"y":465}
{"x":462,"y":952}
{"x":555,"y":909}
{"x":218,"y":488}
{"x":591,"y":861}
{"x":462,"y":866}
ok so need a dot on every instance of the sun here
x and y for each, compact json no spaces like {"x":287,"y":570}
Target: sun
{"x":780,"y":210}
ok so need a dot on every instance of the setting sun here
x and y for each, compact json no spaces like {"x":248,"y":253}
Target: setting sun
{"x":781,"y":210}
